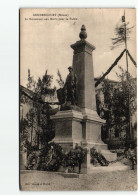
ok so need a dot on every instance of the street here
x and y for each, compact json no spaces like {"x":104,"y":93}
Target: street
{"x":41,"y":181}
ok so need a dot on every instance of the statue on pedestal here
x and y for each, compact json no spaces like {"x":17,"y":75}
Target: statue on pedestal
{"x":70,"y":87}
{"x":68,"y":94}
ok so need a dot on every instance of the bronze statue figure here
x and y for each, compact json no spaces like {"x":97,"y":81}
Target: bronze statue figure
{"x":70,"y":87}
{"x":67,"y":95}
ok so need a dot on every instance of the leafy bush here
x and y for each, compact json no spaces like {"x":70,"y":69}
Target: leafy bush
{"x":115,"y":144}
{"x":75,"y":155}
{"x":97,"y":158}
{"x":30,"y":148}
{"x":51,"y":157}
{"x":133,"y":143}
{"x":32,"y":161}
{"x":120,"y":144}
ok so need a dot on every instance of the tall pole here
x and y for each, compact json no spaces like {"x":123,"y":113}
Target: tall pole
{"x":126,"y":47}
{"x":129,"y":122}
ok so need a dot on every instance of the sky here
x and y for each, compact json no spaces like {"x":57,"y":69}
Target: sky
{"x":45,"y":44}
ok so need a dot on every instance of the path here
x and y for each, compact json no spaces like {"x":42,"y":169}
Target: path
{"x":120,"y":180}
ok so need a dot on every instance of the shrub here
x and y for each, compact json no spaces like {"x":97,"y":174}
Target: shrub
{"x":32,"y":161}
{"x":30,"y":148}
{"x":115,"y":144}
{"x":133,"y":143}
{"x":97,"y":158}
{"x":51,"y":157}
{"x":74,"y":155}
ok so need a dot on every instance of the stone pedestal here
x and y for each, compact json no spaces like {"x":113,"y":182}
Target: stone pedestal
{"x":92,"y":129}
{"x":83,"y":68}
{"x":23,"y":160}
{"x":68,"y":128}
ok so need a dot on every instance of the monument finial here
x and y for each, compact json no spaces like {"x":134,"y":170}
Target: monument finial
{"x":83,"y":34}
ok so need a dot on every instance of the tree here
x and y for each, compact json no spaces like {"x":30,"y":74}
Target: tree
{"x":38,"y":117}
{"x":124,"y":98}
{"x":43,"y":86}
{"x":60,"y":80}
{"x":31,"y":119}
{"x":125,"y":101}
{"x":116,"y":110}
{"x":46,"y":124}
{"x":31,"y":83}
{"x":23,"y":130}
{"x":122,"y":33}
{"x":104,"y":108}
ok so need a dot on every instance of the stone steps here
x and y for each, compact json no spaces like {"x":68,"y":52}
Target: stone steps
{"x":109,"y":155}
{"x":117,"y":166}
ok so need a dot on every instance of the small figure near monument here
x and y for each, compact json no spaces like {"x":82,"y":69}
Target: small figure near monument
{"x":131,"y":155}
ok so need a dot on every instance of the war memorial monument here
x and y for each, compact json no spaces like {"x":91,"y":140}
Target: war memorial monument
{"x":78,"y":121}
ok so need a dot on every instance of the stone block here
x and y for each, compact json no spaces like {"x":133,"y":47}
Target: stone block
{"x":83,"y":68}
{"x":109,"y":155}
{"x":68,"y":128}
{"x":23,"y":160}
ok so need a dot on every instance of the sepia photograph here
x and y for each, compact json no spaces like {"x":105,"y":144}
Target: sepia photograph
{"x":77,"y":99}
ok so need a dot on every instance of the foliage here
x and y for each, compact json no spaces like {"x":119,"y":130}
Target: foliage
{"x":51,"y":157}
{"x":133,"y":143}
{"x":43,"y":86}
{"x":124,"y":101}
{"x":23,"y":98}
{"x":23,"y":127}
{"x":120,"y":144}
{"x":98,"y":103}
{"x":104,"y":107}
{"x":122,"y":32}
{"x":119,"y":102}
{"x":23,"y":132}
{"x":115,"y":144}
{"x":131,"y":154}
{"x":31,"y":82}
{"x":97,"y":158}
{"x":128,"y":89}
{"x":30,"y":148}
{"x":75,"y":155}
{"x":31,"y":118}
{"x":46,"y":124}
{"x":32,"y":161}
{"x":38,"y":117}
{"x":60,"y":80}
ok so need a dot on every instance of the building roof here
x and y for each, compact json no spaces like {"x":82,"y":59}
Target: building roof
{"x":27,"y":92}
{"x":111,"y":81}
{"x":30,"y":94}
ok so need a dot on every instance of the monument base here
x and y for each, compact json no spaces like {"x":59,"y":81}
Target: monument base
{"x":68,"y":128}
{"x":83,"y":128}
